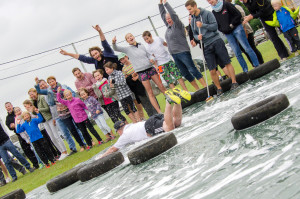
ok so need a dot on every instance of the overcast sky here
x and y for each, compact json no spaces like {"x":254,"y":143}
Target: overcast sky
{"x":32,"y":26}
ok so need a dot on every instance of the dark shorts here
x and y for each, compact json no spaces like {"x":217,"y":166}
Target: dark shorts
{"x":216,"y":53}
{"x":154,"y":125}
{"x":128,"y":101}
{"x":146,"y":74}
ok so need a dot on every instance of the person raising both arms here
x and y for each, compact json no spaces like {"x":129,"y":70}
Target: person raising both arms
{"x":156,"y":124}
{"x":178,"y":46}
{"x":97,"y":56}
{"x":142,"y":62}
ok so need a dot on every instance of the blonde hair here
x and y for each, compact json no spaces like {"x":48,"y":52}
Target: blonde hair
{"x":24,"y":113}
{"x":32,"y":90}
{"x":15,"y":108}
{"x":276,"y":1}
{"x":67,"y":91}
{"x":127,"y":35}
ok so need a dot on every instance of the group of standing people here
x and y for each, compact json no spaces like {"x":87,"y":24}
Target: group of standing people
{"x":129,"y":78}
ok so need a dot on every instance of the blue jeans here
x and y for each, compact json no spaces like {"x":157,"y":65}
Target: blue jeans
{"x":66,"y":134}
{"x":8,"y":146}
{"x":186,"y":66}
{"x":237,"y":36}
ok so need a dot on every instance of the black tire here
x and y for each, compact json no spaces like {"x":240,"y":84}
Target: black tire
{"x":264,"y":69}
{"x":17,"y":194}
{"x":152,"y":148}
{"x":201,"y":95}
{"x":63,"y":180}
{"x":259,"y":112}
{"x":185,"y":103}
{"x":100,"y":166}
{"x":240,"y":79}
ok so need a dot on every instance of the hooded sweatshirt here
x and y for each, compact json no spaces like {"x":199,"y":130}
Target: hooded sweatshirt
{"x":209,"y":29}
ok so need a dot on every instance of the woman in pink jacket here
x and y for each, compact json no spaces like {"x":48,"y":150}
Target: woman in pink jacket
{"x":77,"y":109}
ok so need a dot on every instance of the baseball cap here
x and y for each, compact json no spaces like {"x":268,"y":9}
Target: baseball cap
{"x":119,"y":124}
{"x":121,"y":55}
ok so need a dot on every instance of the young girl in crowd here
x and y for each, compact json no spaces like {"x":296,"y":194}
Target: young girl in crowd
{"x":94,"y":107}
{"x":106,"y":96}
{"x":117,"y":81}
{"x":24,"y":135}
{"x":36,"y":138}
{"x":77,"y":107}
{"x":156,"y":47}
{"x":141,"y":61}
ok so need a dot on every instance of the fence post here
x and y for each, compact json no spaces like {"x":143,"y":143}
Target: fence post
{"x":153,"y":26}
{"x":79,"y":61}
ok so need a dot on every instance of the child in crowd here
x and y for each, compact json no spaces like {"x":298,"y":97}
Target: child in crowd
{"x":36,"y":138}
{"x":77,"y":107}
{"x":284,"y":18}
{"x":117,"y":81}
{"x":94,"y":107}
{"x":135,"y":85}
{"x":156,"y":47}
{"x":31,"y":109}
{"x":142,"y":64}
{"x":107,"y":96}
{"x":24,"y":135}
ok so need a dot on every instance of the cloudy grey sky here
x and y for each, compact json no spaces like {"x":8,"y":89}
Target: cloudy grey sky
{"x":32,"y":26}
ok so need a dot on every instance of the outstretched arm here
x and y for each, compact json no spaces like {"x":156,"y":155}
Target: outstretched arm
{"x":163,"y":12}
{"x":63,"y":52}
{"x":98,"y":29}
{"x":117,"y":47}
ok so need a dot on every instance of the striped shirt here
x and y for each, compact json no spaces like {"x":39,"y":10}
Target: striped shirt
{"x":128,"y":70}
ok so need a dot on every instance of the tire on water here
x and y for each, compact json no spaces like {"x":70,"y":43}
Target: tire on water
{"x":264,"y":69}
{"x":152,"y":148}
{"x":259,"y":112}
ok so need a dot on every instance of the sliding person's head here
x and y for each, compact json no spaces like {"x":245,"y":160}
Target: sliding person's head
{"x":110,"y":67}
{"x":130,"y":39}
{"x":191,"y":6}
{"x":77,"y":73}
{"x":96,"y":53}
{"x":52,"y":81}
{"x":33,"y":94}
{"x":147,"y":37}
{"x":98,"y":74}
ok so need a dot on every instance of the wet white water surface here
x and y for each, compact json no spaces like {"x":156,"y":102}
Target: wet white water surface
{"x":211,"y":159}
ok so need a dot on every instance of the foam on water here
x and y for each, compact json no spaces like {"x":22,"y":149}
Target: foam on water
{"x":211,"y":159}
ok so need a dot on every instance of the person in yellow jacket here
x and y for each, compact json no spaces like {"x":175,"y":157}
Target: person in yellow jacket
{"x":284,"y":18}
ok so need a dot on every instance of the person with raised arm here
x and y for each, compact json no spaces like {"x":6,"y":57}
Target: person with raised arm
{"x":97,"y":56}
{"x":178,"y":46}
{"x":142,"y":62}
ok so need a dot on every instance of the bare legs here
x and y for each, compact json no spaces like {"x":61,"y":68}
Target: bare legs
{"x":182,"y":84}
{"x":231,"y":72}
{"x":215,"y":78}
{"x":172,"y":117}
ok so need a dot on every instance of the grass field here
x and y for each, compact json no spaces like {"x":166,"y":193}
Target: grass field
{"x":31,"y":181}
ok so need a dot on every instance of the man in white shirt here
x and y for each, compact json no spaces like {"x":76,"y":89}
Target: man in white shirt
{"x":156,"y":124}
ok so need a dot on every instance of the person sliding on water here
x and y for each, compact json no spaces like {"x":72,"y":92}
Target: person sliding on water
{"x":156,"y":124}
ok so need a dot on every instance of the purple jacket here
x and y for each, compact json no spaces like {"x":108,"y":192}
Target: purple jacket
{"x":93,"y":105}
{"x":76,"y":107}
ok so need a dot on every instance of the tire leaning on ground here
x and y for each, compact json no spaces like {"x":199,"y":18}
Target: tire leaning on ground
{"x":264,"y":69}
{"x":259,"y":112}
{"x":100,"y":166}
{"x":17,"y":194}
{"x":152,"y":148}
{"x":240,"y":79}
{"x":63,"y":180}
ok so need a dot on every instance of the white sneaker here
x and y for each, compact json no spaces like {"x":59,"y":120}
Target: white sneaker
{"x":8,"y":180}
{"x":63,"y":156}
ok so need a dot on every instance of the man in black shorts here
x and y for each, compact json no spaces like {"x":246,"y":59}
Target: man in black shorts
{"x":214,"y":48}
{"x":156,"y":124}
